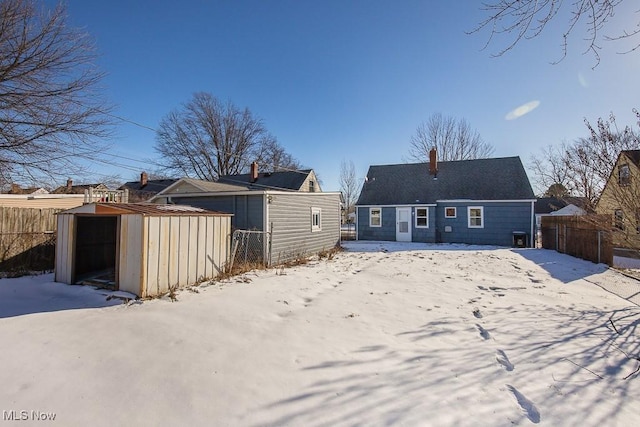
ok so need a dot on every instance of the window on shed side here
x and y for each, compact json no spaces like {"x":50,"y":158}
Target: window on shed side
{"x":476,"y":216}
{"x":422,"y":217}
{"x":450,"y":212}
{"x":624,"y":174}
{"x":316,"y":219}
{"x":375,"y":217}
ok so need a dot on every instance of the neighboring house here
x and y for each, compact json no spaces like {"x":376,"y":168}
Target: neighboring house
{"x":16,"y":189}
{"x":566,"y":206}
{"x":482,"y":201}
{"x":620,"y":199}
{"x":298,"y":180}
{"x":553,"y":206}
{"x":145,"y":188}
{"x":299,"y":222}
{"x":69,"y":188}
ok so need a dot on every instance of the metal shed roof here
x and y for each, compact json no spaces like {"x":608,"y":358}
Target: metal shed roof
{"x":147,"y":209}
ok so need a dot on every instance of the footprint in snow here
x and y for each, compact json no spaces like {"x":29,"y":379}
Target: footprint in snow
{"x":502,"y":359}
{"x":477,"y":313}
{"x":483,"y":332}
{"x":527,"y":406}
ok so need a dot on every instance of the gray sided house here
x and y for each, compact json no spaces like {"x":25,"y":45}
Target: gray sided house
{"x":482,"y":201}
{"x":299,"y":222}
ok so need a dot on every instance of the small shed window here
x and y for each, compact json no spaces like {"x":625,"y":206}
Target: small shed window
{"x":422,"y":217}
{"x":450,"y":213}
{"x":624,"y":174}
{"x":375,"y":217}
{"x":476,"y":216}
{"x":316,"y":219}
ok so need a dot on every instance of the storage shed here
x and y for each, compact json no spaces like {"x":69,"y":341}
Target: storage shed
{"x":141,"y":248}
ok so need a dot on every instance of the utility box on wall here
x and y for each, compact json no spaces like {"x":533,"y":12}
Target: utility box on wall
{"x":519,"y":239}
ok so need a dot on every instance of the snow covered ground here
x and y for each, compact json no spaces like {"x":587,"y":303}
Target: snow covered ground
{"x":382,"y":334}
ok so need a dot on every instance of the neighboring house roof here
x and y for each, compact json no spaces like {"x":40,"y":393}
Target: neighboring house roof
{"x":77,"y":189}
{"x":281,"y":180}
{"x":547,"y":205}
{"x":633,"y":155}
{"x":15,"y":189}
{"x":479,"y":179}
{"x":146,"y":190}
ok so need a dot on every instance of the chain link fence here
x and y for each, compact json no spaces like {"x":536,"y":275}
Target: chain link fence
{"x":250,"y":248}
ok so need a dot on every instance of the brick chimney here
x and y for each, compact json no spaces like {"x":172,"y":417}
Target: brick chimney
{"x":69,"y":183}
{"x":15,"y":188}
{"x":433,"y":162}
{"x":144,"y":178}
{"x":254,"y":172}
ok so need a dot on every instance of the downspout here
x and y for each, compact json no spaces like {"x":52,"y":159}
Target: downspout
{"x":357,"y":216}
{"x":265,"y":228}
{"x":533,"y":223}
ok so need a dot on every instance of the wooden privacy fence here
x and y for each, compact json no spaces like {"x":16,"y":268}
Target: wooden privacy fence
{"x":587,"y":237}
{"x":27,"y":239}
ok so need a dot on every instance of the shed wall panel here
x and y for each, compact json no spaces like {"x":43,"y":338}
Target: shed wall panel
{"x":174,"y":248}
{"x":192,"y":255}
{"x":130,"y":256}
{"x":201,"y":238}
{"x":64,"y":249}
{"x":209,"y":247}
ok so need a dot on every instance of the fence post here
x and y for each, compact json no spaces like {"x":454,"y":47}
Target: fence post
{"x":599,"y":246}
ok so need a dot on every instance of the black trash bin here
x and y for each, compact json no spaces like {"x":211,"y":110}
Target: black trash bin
{"x":519,"y":239}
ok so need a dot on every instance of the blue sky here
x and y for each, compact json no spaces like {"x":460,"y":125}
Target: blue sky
{"x":347,"y":80}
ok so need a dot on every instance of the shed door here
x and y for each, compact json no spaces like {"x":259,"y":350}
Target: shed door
{"x":403,"y":224}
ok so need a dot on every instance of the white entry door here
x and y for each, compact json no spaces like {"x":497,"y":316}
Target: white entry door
{"x":403,"y":224}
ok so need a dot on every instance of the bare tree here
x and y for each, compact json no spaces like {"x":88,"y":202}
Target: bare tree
{"x":453,"y":139}
{"x":549,"y":169}
{"x":274,"y":157}
{"x":584,"y":166}
{"x":348,"y":184}
{"x":207,"y":138}
{"x":526,"y":19}
{"x":51,"y":111}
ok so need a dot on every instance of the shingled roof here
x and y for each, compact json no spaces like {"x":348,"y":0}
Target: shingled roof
{"x":479,"y":179}
{"x":281,"y":180}
{"x":633,"y":155}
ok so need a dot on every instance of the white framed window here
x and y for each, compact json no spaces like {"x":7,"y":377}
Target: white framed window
{"x":476,"y":216}
{"x":375,"y":217}
{"x":316,"y":219}
{"x":450,"y":212}
{"x":422,"y":217}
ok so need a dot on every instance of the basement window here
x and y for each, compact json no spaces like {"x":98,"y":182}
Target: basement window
{"x":476,"y":216}
{"x":375,"y":217}
{"x":422,"y":218}
{"x":316,"y":219}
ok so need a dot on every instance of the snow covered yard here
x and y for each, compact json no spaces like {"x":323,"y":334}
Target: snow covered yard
{"x":382,"y":334}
